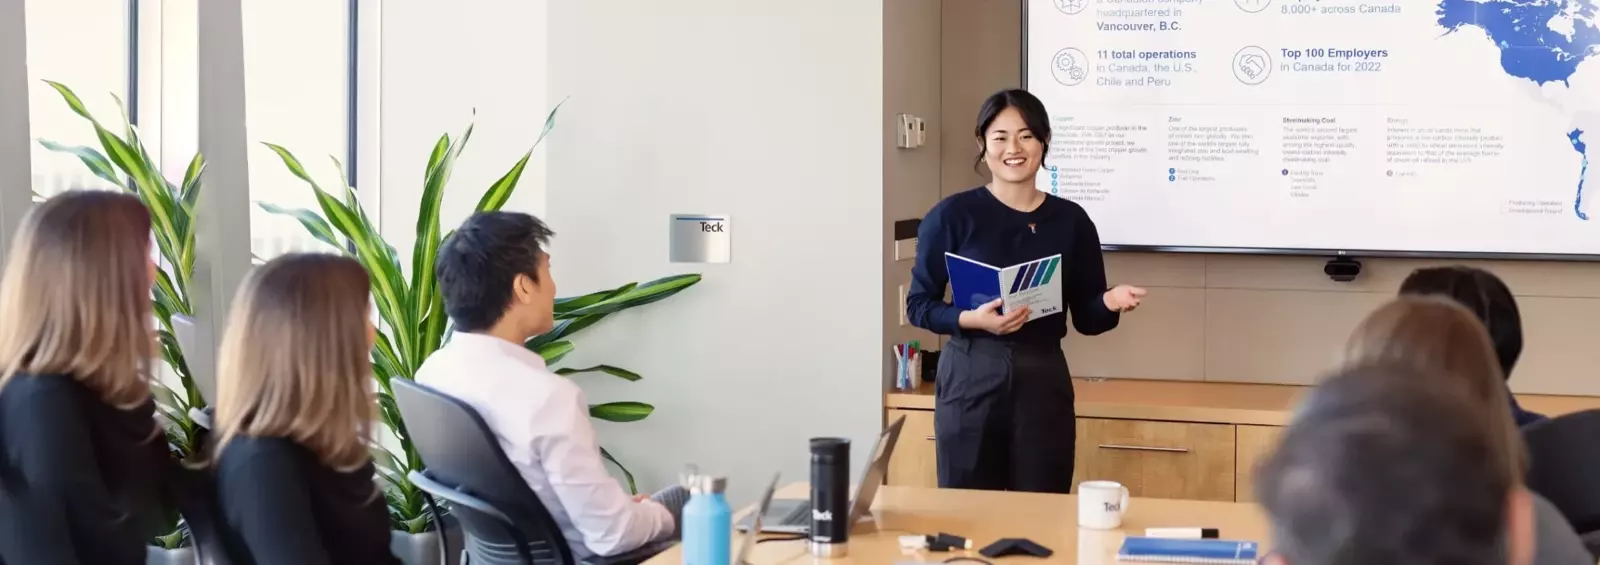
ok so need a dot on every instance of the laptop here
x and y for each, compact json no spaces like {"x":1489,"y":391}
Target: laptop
{"x":794,"y":516}
{"x":183,"y":330}
{"x":750,"y":540}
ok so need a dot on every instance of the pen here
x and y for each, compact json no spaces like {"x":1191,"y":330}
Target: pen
{"x":1182,"y":533}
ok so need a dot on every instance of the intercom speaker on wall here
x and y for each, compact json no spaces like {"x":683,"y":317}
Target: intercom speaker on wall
{"x":906,"y":131}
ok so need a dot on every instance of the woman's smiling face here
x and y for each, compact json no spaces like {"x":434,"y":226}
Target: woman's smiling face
{"x":1011,"y":151}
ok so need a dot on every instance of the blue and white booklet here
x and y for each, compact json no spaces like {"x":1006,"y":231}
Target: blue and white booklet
{"x":1035,"y":285}
{"x":1210,"y":551}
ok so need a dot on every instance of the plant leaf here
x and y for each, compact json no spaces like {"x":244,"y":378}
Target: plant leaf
{"x":314,"y":224}
{"x":621,"y":411}
{"x":434,"y":324}
{"x":563,"y":329}
{"x":388,"y":284}
{"x":167,"y":398}
{"x":166,"y":293}
{"x":144,"y":181}
{"x":633,"y":488}
{"x":498,"y":193}
{"x":418,"y":524}
{"x":653,"y":291}
{"x":554,"y":351}
{"x":618,"y":372}
{"x":426,"y":248}
{"x":97,"y":163}
{"x":72,"y":99}
{"x":190,"y":190}
{"x":385,"y":362}
{"x":385,"y":460}
{"x":550,"y":121}
{"x":565,"y":305}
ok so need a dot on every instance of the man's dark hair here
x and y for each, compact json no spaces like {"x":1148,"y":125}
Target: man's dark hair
{"x":1485,"y":295}
{"x":1379,"y":466}
{"x":479,"y":263}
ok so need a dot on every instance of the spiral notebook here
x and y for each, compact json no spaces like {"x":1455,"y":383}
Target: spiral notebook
{"x":1209,"y":551}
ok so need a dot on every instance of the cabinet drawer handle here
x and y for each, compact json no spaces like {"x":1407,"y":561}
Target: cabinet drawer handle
{"x":1144,"y":448}
{"x":930,"y":438}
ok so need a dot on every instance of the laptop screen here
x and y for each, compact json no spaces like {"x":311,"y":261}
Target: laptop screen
{"x":755,"y":528}
{"x":877,"y":467}
{"x":183,"y":330}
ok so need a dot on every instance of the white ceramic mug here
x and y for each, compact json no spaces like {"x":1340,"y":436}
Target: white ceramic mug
{"x":1101,"y":504}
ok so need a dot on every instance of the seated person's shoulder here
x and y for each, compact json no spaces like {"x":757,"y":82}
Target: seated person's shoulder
{"x":38,"y":400}
{"x":246,"y":456}
{"x":27,"y":387}
{"x":543,"y":393}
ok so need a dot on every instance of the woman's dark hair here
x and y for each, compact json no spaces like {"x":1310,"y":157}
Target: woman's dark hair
{"x":1033,"y":114}
{"x":1482,"y":293}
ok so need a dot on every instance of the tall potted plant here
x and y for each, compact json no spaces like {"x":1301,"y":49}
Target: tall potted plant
{"x":414,"y":322}
{"x":127,"y":164}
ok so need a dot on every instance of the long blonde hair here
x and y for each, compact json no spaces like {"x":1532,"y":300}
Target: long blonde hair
{"x":75,"y":296}
{"x":1439,"y":336}
{"x":294,"y":359}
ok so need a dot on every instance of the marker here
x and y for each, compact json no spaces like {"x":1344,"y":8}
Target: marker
{"x":1182,"y":533}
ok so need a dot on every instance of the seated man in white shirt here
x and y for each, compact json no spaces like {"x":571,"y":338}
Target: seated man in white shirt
{"x":497,"y":288}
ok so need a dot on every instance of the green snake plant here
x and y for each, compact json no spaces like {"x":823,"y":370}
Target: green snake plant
{"x":412,"y":309}
{"x":123,"y":161}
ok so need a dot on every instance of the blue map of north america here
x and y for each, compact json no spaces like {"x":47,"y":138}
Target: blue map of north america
{"x":1543,"y":41}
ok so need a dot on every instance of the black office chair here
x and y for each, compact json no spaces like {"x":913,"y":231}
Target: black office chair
{"x":197,"y":501}
{"x":1564,"y":467}
{"x":504,"y":520}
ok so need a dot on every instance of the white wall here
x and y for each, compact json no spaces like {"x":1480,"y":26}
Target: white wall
{"x":439,"y":64}
{"x":770,"y":112}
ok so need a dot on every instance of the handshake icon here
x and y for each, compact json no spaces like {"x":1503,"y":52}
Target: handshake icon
{"x":1252,"y":65}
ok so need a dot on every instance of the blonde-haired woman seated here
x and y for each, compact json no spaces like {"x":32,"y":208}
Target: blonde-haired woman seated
{"x":294,"y":412}
{"x":1442,"y":338}
{"x":83,"y":461}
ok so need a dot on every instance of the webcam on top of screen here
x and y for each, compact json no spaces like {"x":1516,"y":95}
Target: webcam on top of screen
{"x":1342,"y":269}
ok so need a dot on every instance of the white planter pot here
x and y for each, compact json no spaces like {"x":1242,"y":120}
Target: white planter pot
{"x":159,"y":556}
{"x":423,"y":548}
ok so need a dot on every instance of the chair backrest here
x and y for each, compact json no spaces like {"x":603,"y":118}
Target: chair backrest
{"x":1565,"y":466}
{"x":461,"y":452}
{"x":196,"y":493}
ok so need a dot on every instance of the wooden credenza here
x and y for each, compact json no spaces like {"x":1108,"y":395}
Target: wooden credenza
{"x":1161,"y":439}
{"x":1153,"y":459}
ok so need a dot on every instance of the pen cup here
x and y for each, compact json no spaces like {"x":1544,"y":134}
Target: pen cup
{"x":902,"y":371}
{"x":916,"y":370}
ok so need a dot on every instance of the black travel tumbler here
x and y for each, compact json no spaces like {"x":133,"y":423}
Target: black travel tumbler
{"x":830,"y":496}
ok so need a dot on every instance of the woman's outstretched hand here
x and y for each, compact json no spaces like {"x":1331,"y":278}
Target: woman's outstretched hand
{"x":1124,"y":298}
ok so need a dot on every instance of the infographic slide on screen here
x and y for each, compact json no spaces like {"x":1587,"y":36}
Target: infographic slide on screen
{"x":1466,"y":126}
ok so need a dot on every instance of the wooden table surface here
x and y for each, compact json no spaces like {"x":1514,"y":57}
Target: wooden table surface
{"x":1209,"y":402}
{"x":983,"y":517}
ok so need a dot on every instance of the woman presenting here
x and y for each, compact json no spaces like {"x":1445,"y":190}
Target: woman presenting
{"x":1004,"y":417}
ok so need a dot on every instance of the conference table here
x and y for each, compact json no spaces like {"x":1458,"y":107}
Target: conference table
{"x":985,"y":516}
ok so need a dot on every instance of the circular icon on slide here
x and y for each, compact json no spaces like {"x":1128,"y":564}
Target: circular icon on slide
{"x":1252,"y":6}
{"x":1069,"y":66}
{"x":1072,"y":7}
{"x":1252,"y":65}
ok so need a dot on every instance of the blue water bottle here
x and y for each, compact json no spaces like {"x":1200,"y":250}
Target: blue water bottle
{"x":707,"y":523}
